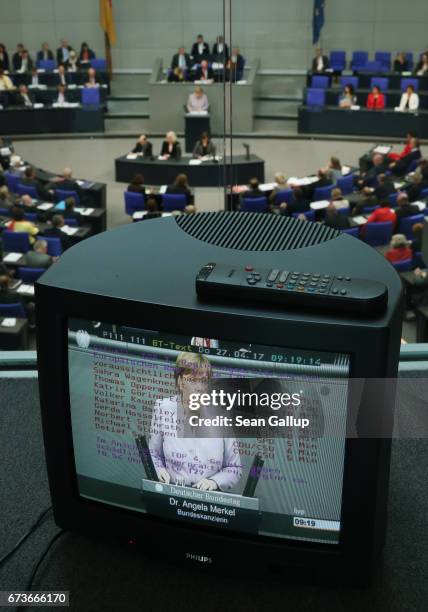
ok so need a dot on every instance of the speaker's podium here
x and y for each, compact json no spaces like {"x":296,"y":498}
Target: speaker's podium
{"x":195,"y":124}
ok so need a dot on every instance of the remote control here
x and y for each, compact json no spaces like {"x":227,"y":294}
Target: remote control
{"x":287,"y":287}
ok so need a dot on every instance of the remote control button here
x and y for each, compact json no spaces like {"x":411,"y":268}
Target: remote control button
{"x":311,"y":289}
{"x":322,"y":290}
{"x":326,"y":276}
{"x":335,"y":291}
{"x":347,"y":278}
{"x":251,"y":281}
{"x":272,"y":276}
{"x":280,"y":286}
{"x":300,"y":288}
{"x":339,"y":277}
{"x":269,"y":284}
{"x":249,"y":268}
{"x":343,"y":292}
{"x":305,"y":275}
{"x":316,"y":275}
{"x":257,"y":276}
{"x":283,"y":276}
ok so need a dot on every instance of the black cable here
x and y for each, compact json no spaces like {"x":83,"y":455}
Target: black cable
{"x":25,"y":536}
{"x":39,"y":562}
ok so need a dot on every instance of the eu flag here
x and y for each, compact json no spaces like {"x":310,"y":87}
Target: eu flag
{"x":318,"y":20}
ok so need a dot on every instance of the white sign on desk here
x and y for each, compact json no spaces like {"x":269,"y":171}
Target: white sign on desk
{"x":12,"y":257}
{"x":8,"y":322}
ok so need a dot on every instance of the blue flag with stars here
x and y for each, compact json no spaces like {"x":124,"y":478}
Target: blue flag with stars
{"x":318,"y":20}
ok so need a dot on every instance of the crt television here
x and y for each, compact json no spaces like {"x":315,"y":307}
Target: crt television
{"x":116,"y":317}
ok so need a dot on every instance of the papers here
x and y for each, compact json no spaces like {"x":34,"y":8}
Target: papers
{"x":420,"y":205}
{"x":12,"y":257}
{"x":382,"y":149}
{"x":267,"y":187}
{"x":85,"y":211}
{"x":163,"y":189}
{"x":355,"y":107}
{"x":217,"y":66}
{"x":346,"y":170}
{"x":5,"y":152}
{"x":360,"y":220}
{"x":70,"y":231}
{"x":398,"y":185}
{"x":300,"y":182}
{"x":72,"y":86}
{"x":198,"y":113}
{"x":25,"y":289}
{"x":42,"y":70}
{"x":162,"y":158}
{"x":45,"y":206}
{"x":139,"y":214}
{"x":242,"y":82}
{"x":132,"y":156}
{"x":195,"y":162}
{"x":8,"y":322}
{"x":38,"y":105}
{"x":320,"y":205}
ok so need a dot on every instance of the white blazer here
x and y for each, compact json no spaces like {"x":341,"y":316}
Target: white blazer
{"x":413,"y":102}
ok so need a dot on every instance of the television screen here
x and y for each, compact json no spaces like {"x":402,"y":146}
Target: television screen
{"x":128,"y":390}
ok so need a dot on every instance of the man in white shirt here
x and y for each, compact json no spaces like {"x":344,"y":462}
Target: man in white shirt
{"x":62,"y":99}
{"x":35,"y":78}
{"x":197,"y":101}
{"x":181,"y":60}
{"x":320,"y":62}
{"x":26,"y":62}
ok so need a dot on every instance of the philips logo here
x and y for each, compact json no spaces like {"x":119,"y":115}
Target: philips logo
{"x":198,"y":558}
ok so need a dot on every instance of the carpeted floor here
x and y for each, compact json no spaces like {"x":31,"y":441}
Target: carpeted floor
{"x":103,"y":577}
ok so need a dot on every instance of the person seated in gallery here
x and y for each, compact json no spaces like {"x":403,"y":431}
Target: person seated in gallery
{"x":422,"y":65}
{"x":320,"y":62}
{"x":347,"y":98}
{"x":235,"y":66}
{"x":45,"y":53}
{"x":181,"y":186}
{"x":197,"y":101}
{"x":92,"y":78}
{"x":204,"y":147}
{"x":401,"y":63}
{"x":86,"y":54}
{"x":375,"y":99}
{"x":399,"y":249}
{"x":137,"y":185}
{"x":152,"y":208}
{"x":409,"y":99}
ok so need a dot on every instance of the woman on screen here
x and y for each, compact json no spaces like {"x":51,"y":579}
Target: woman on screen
{"x":204,"y":463}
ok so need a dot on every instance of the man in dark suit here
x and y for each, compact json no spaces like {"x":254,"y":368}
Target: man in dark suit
{"x":66,"y":183}
{"x":220,"y":51}
{"x":384,"y":188}
{"x":143,"y":146}
{"x":320,"y":62}
{"x":253,"y":192}
{"x":299,"y":203}
{"x":45,"y":53}
{"x":181,"y":60}
{"x":61,"y":78}
{"x":55,"y":231}
{"x":204,"y":72}
{"x":25,"y":63}
{"x":63,"y":52}
{"x":335,"y":219}
{"x":30,"y":180}
{"x":24,"y":98}
{"x":401,"y":166}
{"x":404,"y":208}
{"x":200,"y":49}
{"x":16,"y":57}
{"x":369,"y":178}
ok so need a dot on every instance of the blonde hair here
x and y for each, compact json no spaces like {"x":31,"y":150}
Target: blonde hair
{"x":172,"y":135}
{"x":399,"y":241}
{"x":191,"y":363}
{"x":336,"y":193}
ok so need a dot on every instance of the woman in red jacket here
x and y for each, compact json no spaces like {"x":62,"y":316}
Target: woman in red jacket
{"x":399,"y":249}
{"x":376,"y":99}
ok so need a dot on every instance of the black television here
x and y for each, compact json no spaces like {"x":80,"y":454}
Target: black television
{"x":116,"y":316}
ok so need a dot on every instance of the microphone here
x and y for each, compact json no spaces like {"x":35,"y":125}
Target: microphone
{"x":247,"y":150}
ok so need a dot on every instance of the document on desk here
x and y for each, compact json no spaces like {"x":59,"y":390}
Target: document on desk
{"x":45,"y":206}
{"x":398,"y":185}
{"x":360,"y":220}
{"x":382,"y":149}
{"x":8,"y":322}
{"x":346,"y":170}
{"x":132,"y":156}
{"x":70,"y":231}
{"x":163,"y":189}
{"x":26,"y":290}
{"x":420,"y":205}
{"x":195,"y":162}
{"x":267,"y":186}
{"x":38,"y":105}
{"x":319,"y":205}
{"x":12,"y":257}
{"x":301,"y":182}
{"x":85,"y":211}
{"x":5,"y":152}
